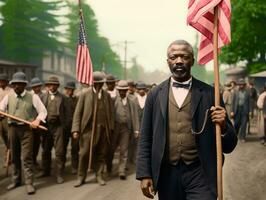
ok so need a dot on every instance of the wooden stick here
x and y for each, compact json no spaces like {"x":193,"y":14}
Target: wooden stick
{"x":21,"y":120}
{"x":217,"y":103}
{"x":94,"y":123}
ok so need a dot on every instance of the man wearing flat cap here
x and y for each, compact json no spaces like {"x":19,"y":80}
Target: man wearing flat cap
{"x":82,"y":128}
{"x":27,"y":106}
{"x":71,"y":102}
{"x":126,"y":124}
{"x":111,"y":83}
{"x":4,"y":90}
{"x":54,"y":102}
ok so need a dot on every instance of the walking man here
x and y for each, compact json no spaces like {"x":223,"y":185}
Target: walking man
{"x":27,"y":106}
{"x":82,"y":127}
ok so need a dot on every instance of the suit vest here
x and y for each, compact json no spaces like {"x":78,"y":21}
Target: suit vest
{"x":181,"y":142}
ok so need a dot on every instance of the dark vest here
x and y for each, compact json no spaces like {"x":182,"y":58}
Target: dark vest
{"x":52,"y":110}
{"x":101,"y":111}
{"x":181,"y":142}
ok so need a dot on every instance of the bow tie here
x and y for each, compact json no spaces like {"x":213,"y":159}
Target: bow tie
{"x":180,"y":85}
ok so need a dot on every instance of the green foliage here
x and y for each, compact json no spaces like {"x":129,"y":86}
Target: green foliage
{"x":28,"y":29}
{"x":100,"y":49}
{"x":248,"y":34}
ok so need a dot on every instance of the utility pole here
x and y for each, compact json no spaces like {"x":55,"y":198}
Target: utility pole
{"x":125,"y":58}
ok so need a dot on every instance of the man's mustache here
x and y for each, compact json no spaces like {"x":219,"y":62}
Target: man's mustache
{"x":179,"y":66}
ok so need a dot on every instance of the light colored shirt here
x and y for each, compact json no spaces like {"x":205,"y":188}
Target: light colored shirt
{"x":4,"y":92}
{"x":36,"y":101}
{"x":99,"y":94}
{"x":113,"y":93}
{"x":124,"y":101}
{"x":261,"y":100}
{"x":141,"y":100}
{"x":180,"y":94}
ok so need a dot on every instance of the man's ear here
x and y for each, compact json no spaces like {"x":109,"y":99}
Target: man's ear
{"x":193,"y":61}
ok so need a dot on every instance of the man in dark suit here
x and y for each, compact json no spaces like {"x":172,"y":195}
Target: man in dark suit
{"x":177,"y":147}
{"x":55,"y":104}
{"x":241,"y":109}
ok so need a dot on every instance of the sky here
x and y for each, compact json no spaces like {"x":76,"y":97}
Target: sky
{"x":149,"y":26}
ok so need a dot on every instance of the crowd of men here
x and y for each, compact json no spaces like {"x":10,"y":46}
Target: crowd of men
{"x":97,"y":122}
{"x":243,"y":104}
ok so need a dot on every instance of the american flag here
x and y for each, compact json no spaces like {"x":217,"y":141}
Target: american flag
{"x":84,"y":69}
{"x":201,"y":17}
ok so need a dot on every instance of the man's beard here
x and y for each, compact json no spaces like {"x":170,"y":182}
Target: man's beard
{"x":179,"y":70}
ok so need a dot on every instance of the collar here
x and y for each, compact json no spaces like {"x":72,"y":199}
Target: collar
{"x":185,"y":82}
{"x":53,"y":93}
{"x":22,"y":94}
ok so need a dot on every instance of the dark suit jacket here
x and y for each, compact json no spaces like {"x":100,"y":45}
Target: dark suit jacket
{"x":61,"y":106}
{"x":153,"y":137}
{"x":246,"y":106}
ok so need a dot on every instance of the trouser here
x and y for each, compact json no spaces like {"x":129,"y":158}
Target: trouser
{"x":98,"y":152}
{"x":74,"y":148}
{"x":241,"y":120}
{"x":21,"y":142}
{"x":53,"y":138}
{"x":36,"y":144}
{"x":132,"y":149}
{"x":4,"y":131}
{"x":183,"y":182}
{"x":120,"y":138}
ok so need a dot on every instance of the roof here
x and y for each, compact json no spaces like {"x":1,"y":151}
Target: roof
{"x":15,"y":64}
{"x":259,"y":74}
{"x":235,"y":71}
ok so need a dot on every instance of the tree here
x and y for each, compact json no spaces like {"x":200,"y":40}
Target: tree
{"x":100,"y":49}
{"x":248,"y":35}
{"x":28,"y":29}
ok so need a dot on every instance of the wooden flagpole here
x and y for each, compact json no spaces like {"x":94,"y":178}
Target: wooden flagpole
{"x":94,"y":124}
{"x":217,"y":103}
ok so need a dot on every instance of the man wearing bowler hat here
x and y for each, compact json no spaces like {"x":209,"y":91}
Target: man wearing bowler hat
{"x":54,"y":101}
{"x":71,"y":102}
{"x":126,"y":124}
{"x":82,"y":128}
{"x":27,"y":106}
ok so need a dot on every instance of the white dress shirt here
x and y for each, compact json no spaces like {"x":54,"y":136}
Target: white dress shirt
{"x":141,"y":100}
{"x":36,"y":101}
{"x":124,"y":101}
{"x":113,"y":93}
{"x":180,"y":94}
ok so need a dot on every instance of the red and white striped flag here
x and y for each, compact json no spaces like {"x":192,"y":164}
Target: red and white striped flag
{"x":84,"y":69}
{"x":201,"y":17}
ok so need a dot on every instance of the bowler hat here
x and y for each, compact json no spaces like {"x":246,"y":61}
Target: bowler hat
{"x":141,"y":85}
{"x":131,"y":82}
{"x":3,"y":77}
{"x":35,"y":82}
{"x":19,"y":77}
{"x":110,"y":78}
{"x":241,"y":81}
{"x":70,"y":85}
{"x":53,"y":80}
{"x":122,"y":85}
{"x":98,"y":77}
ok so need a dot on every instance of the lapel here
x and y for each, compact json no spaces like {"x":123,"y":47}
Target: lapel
{"x":196,"y":94}
{"x":164,"y":96}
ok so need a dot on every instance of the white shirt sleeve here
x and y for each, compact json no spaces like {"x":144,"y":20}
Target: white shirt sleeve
{"x":261,"y":100}
{"x":3,"y":104}
{"x":40,"y":108}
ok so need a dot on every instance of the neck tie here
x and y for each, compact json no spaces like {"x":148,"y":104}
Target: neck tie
{"x":180,"y":85}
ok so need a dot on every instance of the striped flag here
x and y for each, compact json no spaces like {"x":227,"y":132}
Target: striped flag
{"x":84,"y":69}
{"x":201,"y":17}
